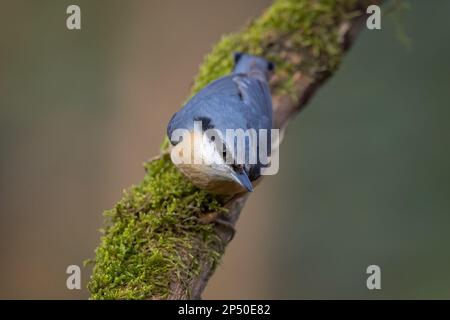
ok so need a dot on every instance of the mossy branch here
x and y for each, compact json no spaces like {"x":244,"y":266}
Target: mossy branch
{"x":155,"y":244}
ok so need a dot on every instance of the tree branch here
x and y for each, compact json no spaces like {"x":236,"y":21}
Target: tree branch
{"x":156,"y":244}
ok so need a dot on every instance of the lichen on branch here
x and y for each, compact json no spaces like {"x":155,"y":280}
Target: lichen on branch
{"x":154,"y":242}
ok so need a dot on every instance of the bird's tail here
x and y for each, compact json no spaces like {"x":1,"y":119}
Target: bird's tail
{"x":252,"y":65}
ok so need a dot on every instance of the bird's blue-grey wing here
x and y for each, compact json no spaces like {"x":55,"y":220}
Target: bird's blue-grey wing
{"x":241,"y":102}
{"x":256,"y":95}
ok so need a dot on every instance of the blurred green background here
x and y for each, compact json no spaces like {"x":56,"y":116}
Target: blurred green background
{"x":365,"y":168}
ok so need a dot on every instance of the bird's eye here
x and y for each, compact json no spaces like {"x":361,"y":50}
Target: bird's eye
{"x":270,"y":66}
{"x":224,"y":152}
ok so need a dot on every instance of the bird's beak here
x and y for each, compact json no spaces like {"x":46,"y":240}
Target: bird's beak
{"x":243,"y":180}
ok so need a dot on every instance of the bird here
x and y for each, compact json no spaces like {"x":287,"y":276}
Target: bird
{"x":240,"y":102}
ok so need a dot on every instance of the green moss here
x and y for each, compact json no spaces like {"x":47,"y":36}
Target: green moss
{"x":152,"y":235}
{"x":301,"y":26}
{"x":149,"y":239}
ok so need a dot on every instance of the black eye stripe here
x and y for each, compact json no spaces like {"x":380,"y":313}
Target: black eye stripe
{"x":206,"y":122}
{"x":226,"y":153}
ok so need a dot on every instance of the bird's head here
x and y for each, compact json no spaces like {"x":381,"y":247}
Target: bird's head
{"x":205,"y":162}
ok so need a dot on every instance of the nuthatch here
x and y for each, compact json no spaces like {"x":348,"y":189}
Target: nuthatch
{"x":240,"y":100}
